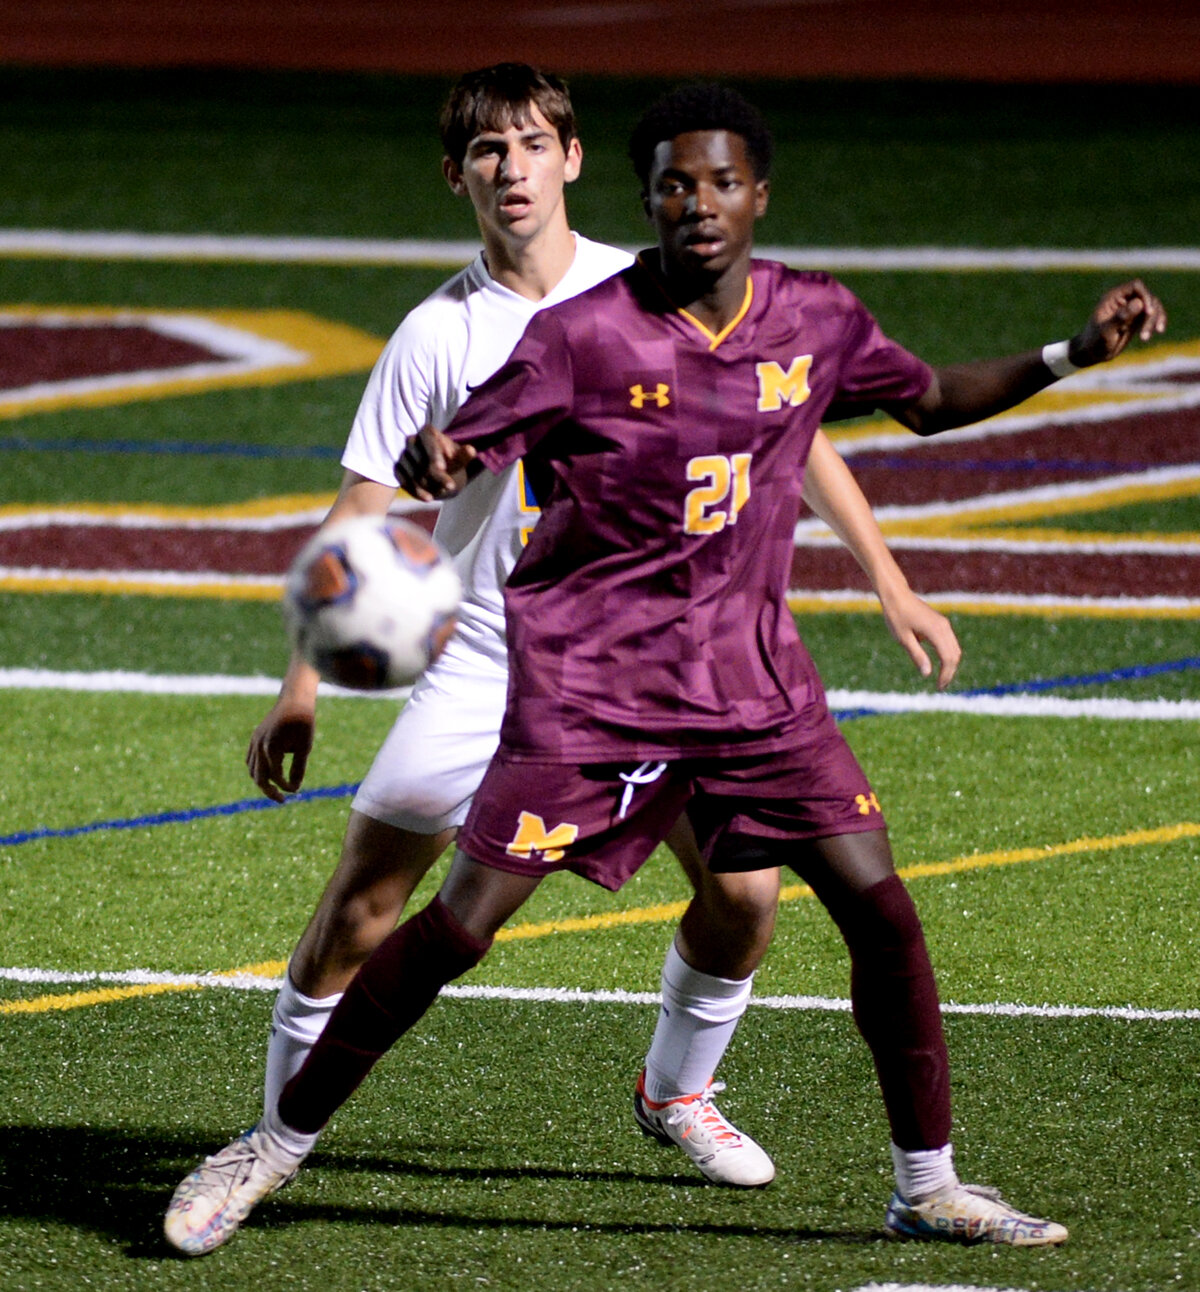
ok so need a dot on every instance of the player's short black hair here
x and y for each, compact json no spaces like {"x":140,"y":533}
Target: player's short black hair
{"x":497,"y":97}
{"x":701,"y":107}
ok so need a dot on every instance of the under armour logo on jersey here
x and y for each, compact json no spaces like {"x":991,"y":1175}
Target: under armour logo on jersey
{"x":661,"y":394}
{"x":775,"y":385}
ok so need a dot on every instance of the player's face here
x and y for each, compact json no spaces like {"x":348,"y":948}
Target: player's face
{"x":703,"y":201}
{"x":515,"y":177}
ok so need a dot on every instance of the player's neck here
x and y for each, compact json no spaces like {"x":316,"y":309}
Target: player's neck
{"x":714,"y":300}
{"x":532,"y":267}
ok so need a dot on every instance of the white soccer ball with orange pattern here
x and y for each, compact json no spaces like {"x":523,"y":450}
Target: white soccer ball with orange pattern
{"x":370,"y":602}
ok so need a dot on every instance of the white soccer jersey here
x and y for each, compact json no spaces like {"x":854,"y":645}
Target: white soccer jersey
{"x":429,"y":766}
{"x":450,"y":343}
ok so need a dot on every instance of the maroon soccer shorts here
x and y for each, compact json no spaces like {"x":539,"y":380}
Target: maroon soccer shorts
{"x":602,"y":821}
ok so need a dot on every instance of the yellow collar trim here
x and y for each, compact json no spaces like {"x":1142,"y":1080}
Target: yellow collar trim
{"x":715,"y":338}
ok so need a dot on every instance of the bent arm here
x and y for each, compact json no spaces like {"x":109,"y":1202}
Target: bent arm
{"x":833,"y":494}
{"x":969,"y":392}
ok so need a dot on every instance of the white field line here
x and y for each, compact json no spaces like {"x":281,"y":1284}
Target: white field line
{"x":131,"y":245}
{"x":34,"y":679}
{"x":992,"y":706}
{"x":18,"y":517}
{"x":1173,"y":480}
{"x":577,"y":996}
{"x":930,"y":1287}
{"x":1005,"y":602}
{"x":1164,"y":546}
{"x":1019,"y":706}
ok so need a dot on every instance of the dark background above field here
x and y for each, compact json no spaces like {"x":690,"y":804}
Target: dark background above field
{"x":356,"y":155}
{"x":1029,"y":40}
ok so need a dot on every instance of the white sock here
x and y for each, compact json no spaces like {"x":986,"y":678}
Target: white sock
{"x":296,"y":1023}
{"x":286,"y":1148}
{"x":696,"y":1020}
{"x":922,"y":1173}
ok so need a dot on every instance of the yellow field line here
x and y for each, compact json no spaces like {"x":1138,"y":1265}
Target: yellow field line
{"x":107,"y":995}
{"x":99,"y":996}
{"x":661,"y":914}
{"x":585,"y":923}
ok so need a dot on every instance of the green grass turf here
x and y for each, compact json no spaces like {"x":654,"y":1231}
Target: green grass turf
{"x":72,"y":631}
{"x":471,"y":1161}
{"x":1166,"y":516}
{"x":199,"y":885}
{"x":457,"y":1167}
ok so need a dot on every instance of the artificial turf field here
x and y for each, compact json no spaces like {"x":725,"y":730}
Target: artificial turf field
{"x":1054,"y":858}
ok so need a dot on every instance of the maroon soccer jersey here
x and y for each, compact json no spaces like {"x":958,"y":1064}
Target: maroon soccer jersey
{"x":647,"y":615}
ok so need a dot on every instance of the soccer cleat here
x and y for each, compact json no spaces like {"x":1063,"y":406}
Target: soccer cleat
{"x":969,"y":1213}
{"x":696,"y":1125}
{"x":209,"y":1205}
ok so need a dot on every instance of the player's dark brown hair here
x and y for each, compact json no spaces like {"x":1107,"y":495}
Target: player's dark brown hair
{"x":497,"y":97}
{"x":701,"y":107}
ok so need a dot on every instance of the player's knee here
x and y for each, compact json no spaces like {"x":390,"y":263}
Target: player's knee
{"x":881,"y":919}
{"x":744,"y":901}
{"x":432,"y":947}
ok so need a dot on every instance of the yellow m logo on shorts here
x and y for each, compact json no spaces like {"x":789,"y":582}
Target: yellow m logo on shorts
{"x":533,"y":837}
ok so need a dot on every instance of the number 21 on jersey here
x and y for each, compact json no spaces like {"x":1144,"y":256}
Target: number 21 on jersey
{"x":722,"y":491}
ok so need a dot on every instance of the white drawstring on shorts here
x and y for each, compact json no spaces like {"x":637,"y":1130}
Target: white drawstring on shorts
{"x":646,"y":774}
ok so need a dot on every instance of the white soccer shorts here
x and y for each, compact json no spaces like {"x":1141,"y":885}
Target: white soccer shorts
{"x":430,"y":765}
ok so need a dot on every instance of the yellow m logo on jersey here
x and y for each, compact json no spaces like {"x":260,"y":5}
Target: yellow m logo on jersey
{"x":775,"y":385}
{"x":533,"y":837}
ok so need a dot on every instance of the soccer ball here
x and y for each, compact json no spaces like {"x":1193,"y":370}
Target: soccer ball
{"x":370,"y":602}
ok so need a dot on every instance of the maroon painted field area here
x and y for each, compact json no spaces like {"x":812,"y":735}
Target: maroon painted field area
{"x":926,"y":474}
{"x":914,"y":474}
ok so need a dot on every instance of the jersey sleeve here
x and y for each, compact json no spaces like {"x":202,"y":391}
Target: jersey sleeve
{"x":400,"y":397}
{"x":875,"y":370}
{"x":532,"y":393}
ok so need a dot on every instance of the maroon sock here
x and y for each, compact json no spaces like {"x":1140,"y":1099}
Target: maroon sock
{"x":387,"y":996}
{"x":895,"y":1004}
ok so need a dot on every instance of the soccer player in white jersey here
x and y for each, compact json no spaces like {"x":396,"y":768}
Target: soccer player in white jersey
{"x":510,"y":143}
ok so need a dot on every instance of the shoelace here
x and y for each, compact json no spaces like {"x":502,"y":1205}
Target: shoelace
{"x":234,"y":1164}
{"x":700,"y":1109}
{"x":991,"y":1194}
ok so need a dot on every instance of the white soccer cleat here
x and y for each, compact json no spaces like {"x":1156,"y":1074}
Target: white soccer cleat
{"x":695,"y":1124}
{"x":209,"y":1205}
{"x":969,"y":1213}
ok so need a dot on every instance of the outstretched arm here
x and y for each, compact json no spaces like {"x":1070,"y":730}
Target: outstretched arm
{"x":833,"y":494}
{"x":969,"y":392}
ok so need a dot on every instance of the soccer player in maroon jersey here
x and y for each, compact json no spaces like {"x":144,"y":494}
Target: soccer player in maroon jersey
{"x":665,"y":418}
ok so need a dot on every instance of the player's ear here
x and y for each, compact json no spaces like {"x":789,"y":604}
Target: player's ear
{"x":762,"y":193}
{"x":646,"y":205}
{"x":574,"y":163}
{"x":454,"y":176}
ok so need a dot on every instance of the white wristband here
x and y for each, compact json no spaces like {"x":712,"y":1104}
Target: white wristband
{"x":1054,"y":356}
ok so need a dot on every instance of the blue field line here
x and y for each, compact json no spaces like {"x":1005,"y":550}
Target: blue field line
{"x":345,"y":791}
{"x":171,"y":448}
{"x":1133,"y":673}
{"x":177,"y":818}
